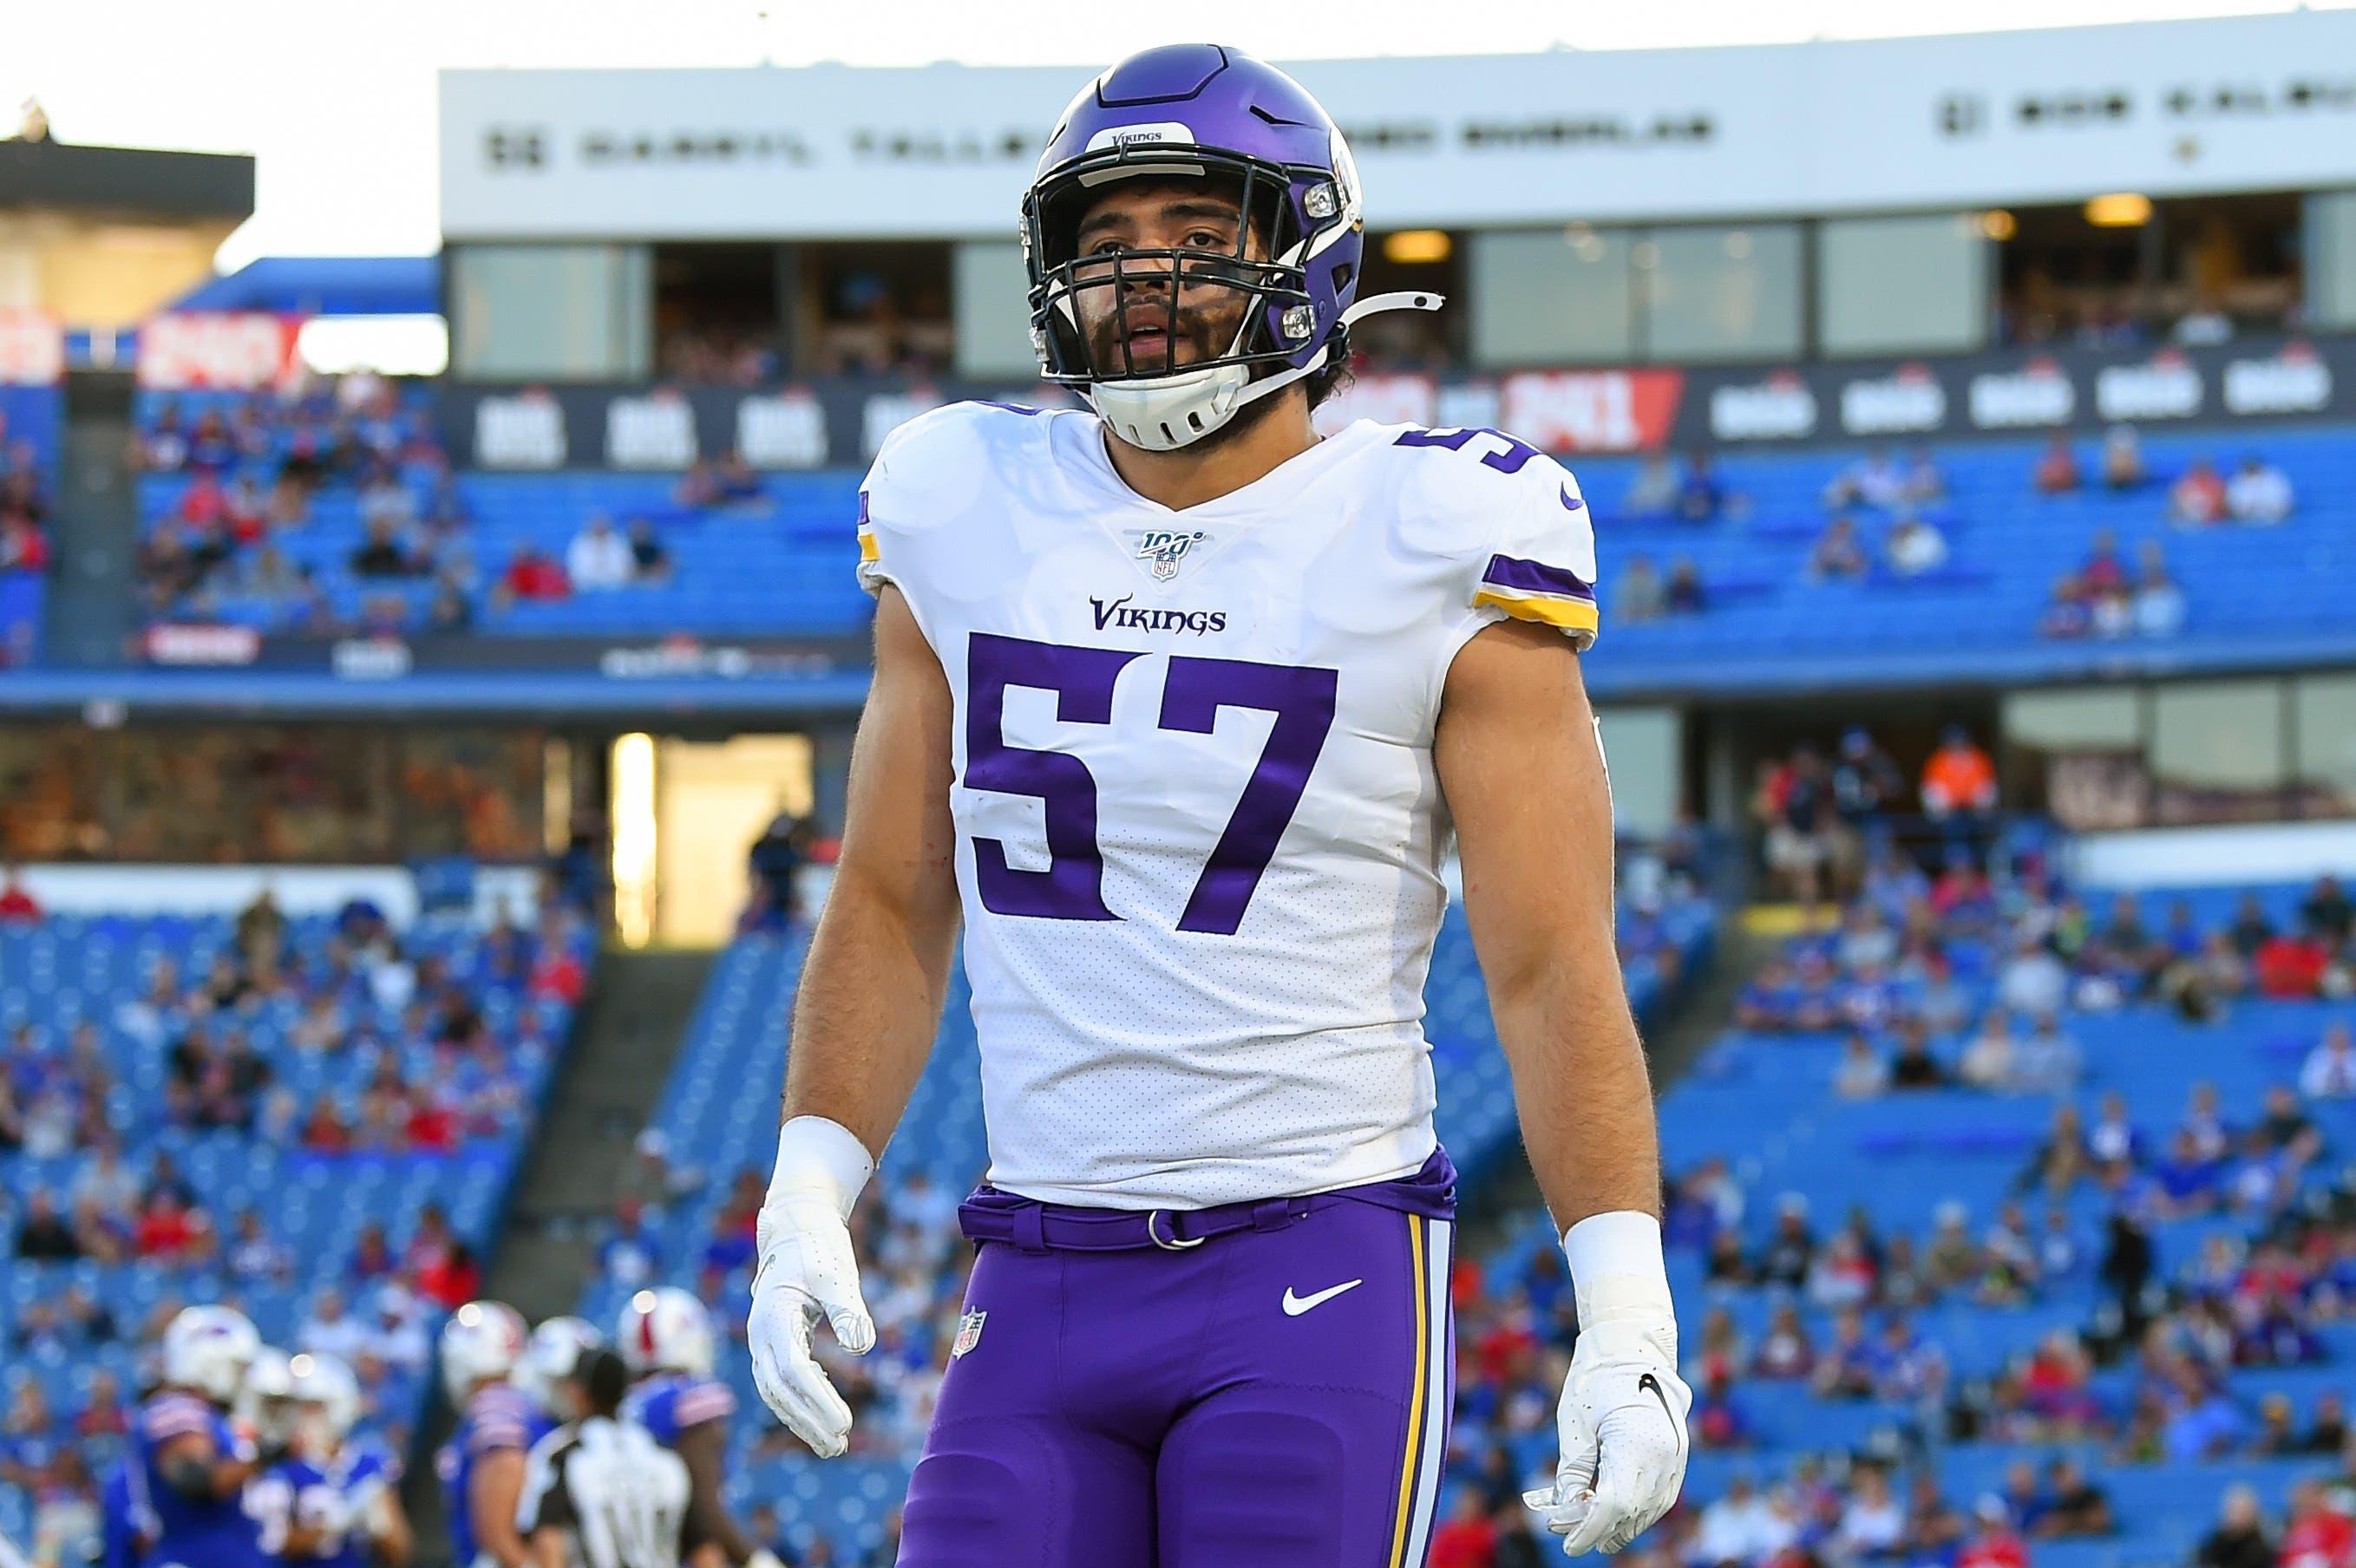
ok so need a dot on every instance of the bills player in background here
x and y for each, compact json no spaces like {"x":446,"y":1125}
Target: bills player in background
{"x":187,"y":1466}
{"x":482,"y":1466}
{"x":1177,"y":706}
{"x":549,"y":1357}
{"x":665,"y":1340}
{"x":328,"y":1499}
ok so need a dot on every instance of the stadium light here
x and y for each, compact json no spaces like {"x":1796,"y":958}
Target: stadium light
{"x":1998,"y":225}
{"x":2121,"y":209}
{"x":1417,"y":247}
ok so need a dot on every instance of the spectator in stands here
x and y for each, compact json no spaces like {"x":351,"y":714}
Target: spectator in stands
{"x":2317,"y":1535}
{"x":2056,"y":473}
{"x":599,"y":559}
{"x":1915,"y":1067}
{"x":1873,"y":1522}
{"x":1867,"y":786}
{"x":2240,"y":1540}
{"x":43,"y":1235}
{"x":1875,"y":480}
{"x":2328,"y":1433}
{"x":255,"y":1257}
{"x":2259,"y":493}
{"x":380,"y":554}
{"x":1988,"y":1061}
{"x":2290,"y":965}
{"x":2032,"y":981}
{"x":328,"y":1330}
{"x":1995,"y":1543}
{"x":171,"y":1233}
{"x":2327,"y":912}
{"x":2159,"y":602}
{"x":1862,"y":1074}
{"x":1639,"y":595}
{"x":18,"y":907}
{"x":650,"y":557}
{"x":1466,"y":1538}
{"x":1684,"y":594}
{"x":1785,"y":1349}
{"x":1838,"y":554}
{"x":1791,"y":1246}
{"x":23,"y":546}
{"x":2331,"y":1070}
{"x":2198,"y":497}
{"x":2047,"y":1061}
{"x":1959,"y":787}
{"x":1701,"y":498}
{"x":2123,"y":463}
{"x":1653,"y":493}
{"x":532,"y":577}
{"x":2061,"y":1161}
{"x":1794,"y":805}
{"x":1914,"y":546}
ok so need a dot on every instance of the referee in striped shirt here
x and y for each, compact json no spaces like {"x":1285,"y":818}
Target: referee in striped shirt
{"x":599,"y":1491}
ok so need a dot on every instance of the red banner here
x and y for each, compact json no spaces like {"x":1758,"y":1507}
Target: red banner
{"x":1592,"y":410}
{"x":32,"y":349}
{"x":227,"y":350}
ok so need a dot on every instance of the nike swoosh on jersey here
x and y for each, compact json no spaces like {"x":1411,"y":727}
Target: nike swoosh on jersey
{"x":1294,"y":1305}
{"x":1571,"y":503}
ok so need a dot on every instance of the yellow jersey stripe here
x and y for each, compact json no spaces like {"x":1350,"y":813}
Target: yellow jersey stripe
{"x":867,"y":551}
{"x":1568,"y":614}
{"x":1415,"y":1404}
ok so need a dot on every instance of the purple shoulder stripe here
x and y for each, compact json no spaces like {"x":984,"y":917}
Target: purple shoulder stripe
{"x":1520,"y":576}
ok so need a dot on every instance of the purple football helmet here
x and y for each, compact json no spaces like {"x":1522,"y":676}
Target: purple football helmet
{"x":1198,"y":112}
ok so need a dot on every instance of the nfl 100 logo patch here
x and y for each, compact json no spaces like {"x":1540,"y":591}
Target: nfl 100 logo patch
{"x":969,"y":1333}
{"x":1165,"y":548}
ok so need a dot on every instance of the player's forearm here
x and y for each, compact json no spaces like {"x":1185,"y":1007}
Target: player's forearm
{"x":1581,"y":1088}
{"x":869,"y":1005}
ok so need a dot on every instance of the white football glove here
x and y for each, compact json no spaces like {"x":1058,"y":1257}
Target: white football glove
{"x":764,"y":1558}
{"x":807,"y":1271}
{"x":1622,"y":1423}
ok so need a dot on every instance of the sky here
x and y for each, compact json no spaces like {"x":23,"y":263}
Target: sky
{"x":336,"y":98}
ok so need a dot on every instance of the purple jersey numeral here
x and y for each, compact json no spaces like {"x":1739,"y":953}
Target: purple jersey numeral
{"x":1509,"y":461}
{"x":1072,"y":887}
{"x":1302,"y":700}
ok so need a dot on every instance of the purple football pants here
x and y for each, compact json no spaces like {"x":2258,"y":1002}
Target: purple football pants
{"x":1275,"y":1397}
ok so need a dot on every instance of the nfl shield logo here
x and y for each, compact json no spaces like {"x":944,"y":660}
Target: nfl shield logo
{"x":1167,"y":549}
{"x":968,"y":1334}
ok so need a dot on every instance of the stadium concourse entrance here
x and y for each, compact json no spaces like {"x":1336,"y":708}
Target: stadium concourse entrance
{"x":690,"y":817}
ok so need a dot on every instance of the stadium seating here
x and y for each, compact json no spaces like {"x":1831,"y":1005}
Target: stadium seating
{"x":31,"y":419}
{"x":709,"y":1119}
{"x":780,"y":566}
{"x":69,"y":969}
{"x":1765,"y":1104}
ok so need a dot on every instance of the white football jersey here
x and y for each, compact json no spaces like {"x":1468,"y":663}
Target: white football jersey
{"x":1199,"y":831}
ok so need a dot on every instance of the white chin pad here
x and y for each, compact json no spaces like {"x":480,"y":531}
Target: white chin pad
{"x":1167,"y":412}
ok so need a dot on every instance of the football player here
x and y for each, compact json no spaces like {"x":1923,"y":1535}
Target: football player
{"x":482,"y":1466}
{"x":549,"y":1357}
{"x":329,"y":1499}
{"x":188,"y":1466}
{"x":665,"y":1339}
{"x":1179,"y":706}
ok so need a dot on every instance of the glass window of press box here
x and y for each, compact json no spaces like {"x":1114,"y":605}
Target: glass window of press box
{"x":2104,"y":758}
{"x":552,"y":313}
{"x":1691,"y":294}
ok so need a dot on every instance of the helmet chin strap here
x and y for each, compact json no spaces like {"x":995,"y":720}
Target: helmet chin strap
{"x":1167,"y":412}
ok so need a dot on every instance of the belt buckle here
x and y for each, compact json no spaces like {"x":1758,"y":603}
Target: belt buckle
{"x":1176,"y":1243}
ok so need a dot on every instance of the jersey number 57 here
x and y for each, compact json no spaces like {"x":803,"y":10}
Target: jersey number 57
{"x":1072,"y":887}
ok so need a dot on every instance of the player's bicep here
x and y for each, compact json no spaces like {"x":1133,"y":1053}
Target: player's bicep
{"x":1522,"y":768}
{"x":898,"y":842}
